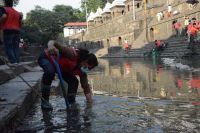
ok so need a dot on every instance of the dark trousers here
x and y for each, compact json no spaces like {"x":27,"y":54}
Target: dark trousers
{"x":192,"y":43}
{"x":49,"y":74}
{"x":177,"y":32}
{"x":11,"y":42}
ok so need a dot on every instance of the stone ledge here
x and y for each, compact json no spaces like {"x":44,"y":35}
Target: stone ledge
{"x":19,"y":99}
{"x":8,"y":73}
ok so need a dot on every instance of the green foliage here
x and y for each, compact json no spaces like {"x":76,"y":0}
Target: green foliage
{"x":80,"y":15}
{"x":41,"y":25}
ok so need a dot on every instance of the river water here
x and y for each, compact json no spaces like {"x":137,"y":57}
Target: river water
{"x":130,"y":95}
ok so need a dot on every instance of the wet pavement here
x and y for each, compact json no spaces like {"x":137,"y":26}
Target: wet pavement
{"x":130,"y":95}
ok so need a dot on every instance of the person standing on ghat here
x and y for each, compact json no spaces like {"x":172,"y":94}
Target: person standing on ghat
{"x":11,"y":20}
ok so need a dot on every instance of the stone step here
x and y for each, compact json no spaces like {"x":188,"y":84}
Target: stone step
{"x":177,"y":45}
{"x":28,"y":58}
{"x":178,"y":42}
{"x":175,"y":50}
{"x":19,"y":98}
{"x":10,"y":72}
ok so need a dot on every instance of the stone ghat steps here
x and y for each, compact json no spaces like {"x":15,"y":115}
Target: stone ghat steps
{"x":175,"y":47}
{"x":28,"y":58}
{"x":140,"y":52}
{"x":179,"y":54}
{"x":173,"y":54}
{"x":145,"y":49}
{"x":7,"y":73}
{"x":179,"y":48}
{"x":19,"y":97}
{"x":31,"y":53}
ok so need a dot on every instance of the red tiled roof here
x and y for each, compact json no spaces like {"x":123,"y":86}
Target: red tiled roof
{"x":76,"y":24}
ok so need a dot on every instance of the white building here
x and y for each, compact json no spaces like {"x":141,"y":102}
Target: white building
{"x":72,"y":28}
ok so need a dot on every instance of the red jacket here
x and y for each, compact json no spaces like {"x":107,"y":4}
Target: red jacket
{"x":70,"y":66}
{"x":12,"y":21}
{"x":158,"y":43}
{"x":67,"y":65}
{"x":193,"y":31}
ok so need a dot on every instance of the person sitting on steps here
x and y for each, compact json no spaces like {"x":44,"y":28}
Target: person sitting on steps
{"x":159,"y":46}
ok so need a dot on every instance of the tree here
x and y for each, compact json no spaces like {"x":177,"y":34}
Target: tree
{"x":41,"y":25}
{"x":65,"y":13}
{"x":80,"y":15}
{"x":42,"y":20}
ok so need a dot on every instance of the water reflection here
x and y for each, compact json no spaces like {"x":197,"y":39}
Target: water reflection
{"x":124,"y":77}
{"x":136,"y":96}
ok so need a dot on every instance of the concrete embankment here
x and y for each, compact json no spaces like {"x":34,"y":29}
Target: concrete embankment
{"x":16,"y":96}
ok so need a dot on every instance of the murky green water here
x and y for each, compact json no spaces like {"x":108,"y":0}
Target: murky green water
{"x":130,"y":95}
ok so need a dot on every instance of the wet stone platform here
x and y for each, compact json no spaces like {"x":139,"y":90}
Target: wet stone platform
{"x":110,"y":114}
{"x":130,"y":95}
{"x":16,"y":96}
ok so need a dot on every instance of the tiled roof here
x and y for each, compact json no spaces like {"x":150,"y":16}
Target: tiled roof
{"x":76,"y":24}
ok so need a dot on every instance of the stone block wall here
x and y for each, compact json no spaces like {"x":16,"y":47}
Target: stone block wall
{"x":115,"y":31}
{"x":164,"y":30}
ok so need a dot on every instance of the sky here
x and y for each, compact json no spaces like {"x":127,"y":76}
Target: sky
{"x":25,"y":6}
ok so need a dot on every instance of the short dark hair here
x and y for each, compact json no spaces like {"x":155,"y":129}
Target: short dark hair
{"x":85,"y":55}
{"x":8,"y":3}
{"x":92,"y":60}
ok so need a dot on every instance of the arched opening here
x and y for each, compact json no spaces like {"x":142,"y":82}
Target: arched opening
{"x":128,"y":8}
{"x":122,"y":12}
{"x":173,"y":29}
{"x":152,"y":33}
{"x":119,"y":41}
{"x":108,"y":43}
{"x":138,"y":5}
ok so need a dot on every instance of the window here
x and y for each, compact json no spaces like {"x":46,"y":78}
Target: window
{"x":122,"y":12}
{"x":138,"y":5}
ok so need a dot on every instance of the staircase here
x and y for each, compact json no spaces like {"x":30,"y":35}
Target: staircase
{"x":16,"y":97}
{"x":31,"y":53}
{"x":176,"y":47}
{"x":141,"y":52}
{"x":179,"y":48}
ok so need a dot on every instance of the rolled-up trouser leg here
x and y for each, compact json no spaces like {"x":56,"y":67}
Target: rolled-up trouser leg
{"x":72,"y":86}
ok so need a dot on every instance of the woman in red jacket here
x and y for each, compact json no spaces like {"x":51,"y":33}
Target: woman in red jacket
{"x":72,"y":62}
{"x":10,"y":20}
